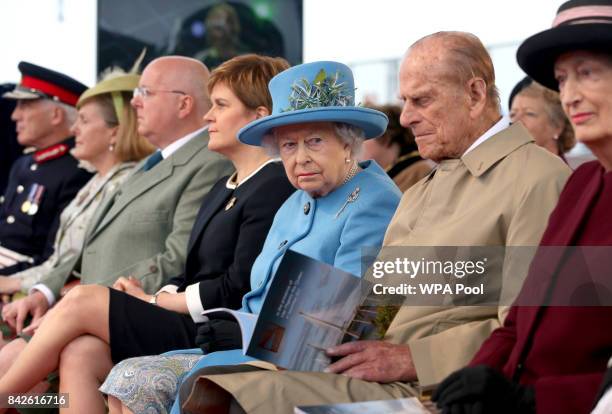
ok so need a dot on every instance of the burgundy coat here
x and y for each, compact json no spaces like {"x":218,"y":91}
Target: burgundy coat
{"x":560,"y":350}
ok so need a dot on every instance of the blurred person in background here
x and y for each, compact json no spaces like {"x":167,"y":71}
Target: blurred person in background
{"x":396,"y":151}
{"x":540,"y":110}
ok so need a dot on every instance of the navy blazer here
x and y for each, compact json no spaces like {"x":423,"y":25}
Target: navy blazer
{"x":229,"y":233}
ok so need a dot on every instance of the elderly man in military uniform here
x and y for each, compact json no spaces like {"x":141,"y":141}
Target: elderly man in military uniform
{"x":43,"y":182}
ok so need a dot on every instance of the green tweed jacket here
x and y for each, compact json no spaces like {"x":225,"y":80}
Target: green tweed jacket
{"x":143,"y":228}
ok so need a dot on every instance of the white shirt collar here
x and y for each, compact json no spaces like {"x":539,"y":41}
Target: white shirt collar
{"x":172,"y":148}
{"x":231,"y":182}
{"x":500,"y":125}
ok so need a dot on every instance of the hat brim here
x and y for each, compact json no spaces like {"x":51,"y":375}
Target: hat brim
{"x":538,"y":53}
{"x":372,"y":122}
{"x":19,"y":94}
{"x":122,"y":83}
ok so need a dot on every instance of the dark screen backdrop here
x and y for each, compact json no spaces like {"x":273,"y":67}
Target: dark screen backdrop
{"x":209,"y":30}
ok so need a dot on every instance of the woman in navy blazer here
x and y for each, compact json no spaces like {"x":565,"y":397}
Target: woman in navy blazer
{"x":227,"y":236}
{"x":340,"y":207}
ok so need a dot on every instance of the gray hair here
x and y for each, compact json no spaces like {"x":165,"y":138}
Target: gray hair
{"x":70,"y":112}
{"x":351,"y":135}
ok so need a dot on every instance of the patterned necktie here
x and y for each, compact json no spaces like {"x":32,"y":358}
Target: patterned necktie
{"x":152,"y":161}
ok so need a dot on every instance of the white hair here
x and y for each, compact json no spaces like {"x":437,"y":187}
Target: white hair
{"x":351,"y":135}
{"x":70,"y":112}
{"x":348,"y":134}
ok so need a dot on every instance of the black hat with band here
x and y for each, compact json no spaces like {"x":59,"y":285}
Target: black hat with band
{"x":578,"y":25}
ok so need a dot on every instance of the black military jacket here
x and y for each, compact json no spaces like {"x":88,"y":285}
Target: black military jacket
{"x":40,"y":185}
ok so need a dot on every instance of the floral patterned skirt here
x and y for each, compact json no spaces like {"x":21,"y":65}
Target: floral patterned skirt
{"x":149,"y":385}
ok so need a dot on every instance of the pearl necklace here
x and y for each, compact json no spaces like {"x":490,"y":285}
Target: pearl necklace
{"x":351,"y":173}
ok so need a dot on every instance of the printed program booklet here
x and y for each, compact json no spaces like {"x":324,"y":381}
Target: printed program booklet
{"x":401,"y":406}
{"x":309,"y":307}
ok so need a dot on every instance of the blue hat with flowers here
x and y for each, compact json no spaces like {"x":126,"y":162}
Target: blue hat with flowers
{"x":314,"y":92}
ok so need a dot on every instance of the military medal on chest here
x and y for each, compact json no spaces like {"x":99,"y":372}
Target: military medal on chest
{"x":32,"y":204}
{"x":25,"y":207}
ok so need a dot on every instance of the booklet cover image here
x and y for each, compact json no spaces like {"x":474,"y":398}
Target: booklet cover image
{"x":310,"y":306}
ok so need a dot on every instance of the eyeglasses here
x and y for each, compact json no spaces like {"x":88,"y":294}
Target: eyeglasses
{"x":144,"y":92}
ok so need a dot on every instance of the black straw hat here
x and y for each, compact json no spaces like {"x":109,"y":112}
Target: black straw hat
{"x":579,"y":25}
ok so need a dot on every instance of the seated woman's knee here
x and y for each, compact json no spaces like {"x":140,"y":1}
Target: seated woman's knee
{"x":79,"y":350}
{"x":81,"y":296}
{"x":9,"y":353}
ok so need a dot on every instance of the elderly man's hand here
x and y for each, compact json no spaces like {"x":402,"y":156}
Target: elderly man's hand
{"x":15,"y":313}
{"x":375,"y":361}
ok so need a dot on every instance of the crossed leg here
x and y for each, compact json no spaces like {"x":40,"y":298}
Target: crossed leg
{"x":9,"y":353}
{"x":84,"y":364}
{"x":84,"y":311}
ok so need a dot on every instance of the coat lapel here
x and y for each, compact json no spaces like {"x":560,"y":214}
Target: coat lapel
{"x":97,"y":190}
{"x":140,"y":184}
{"x":206,"y":212}
{"x":142,"y":181}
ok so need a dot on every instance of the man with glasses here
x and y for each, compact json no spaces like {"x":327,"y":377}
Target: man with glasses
{"x":142,"y":230}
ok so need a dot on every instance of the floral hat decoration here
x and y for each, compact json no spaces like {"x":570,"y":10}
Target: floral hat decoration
{"x":314,"y":92}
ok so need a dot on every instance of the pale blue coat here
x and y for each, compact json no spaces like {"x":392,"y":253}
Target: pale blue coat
{"x":323,"y":228}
